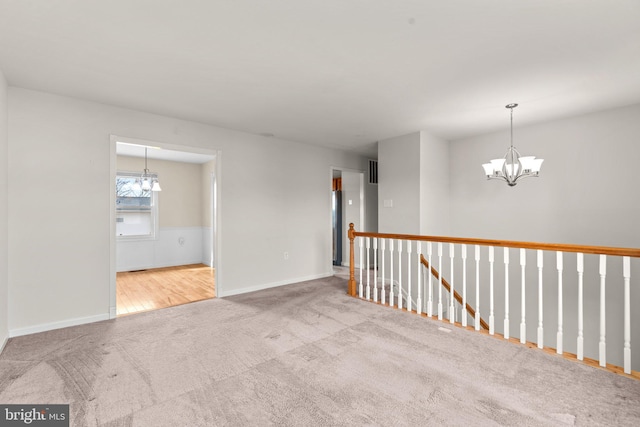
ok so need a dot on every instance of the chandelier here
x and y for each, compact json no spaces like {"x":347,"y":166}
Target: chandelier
{"x":513,"y":166}
{"x":148,"y":181}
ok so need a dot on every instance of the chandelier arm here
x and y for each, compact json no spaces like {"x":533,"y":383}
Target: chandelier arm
{"x":513,"y":175}
{"x":509,"y":175}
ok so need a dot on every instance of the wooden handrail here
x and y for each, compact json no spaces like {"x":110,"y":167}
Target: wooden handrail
{"x":456,"y":295}
{"x":598,"y":250}
{"x":351,"y":290}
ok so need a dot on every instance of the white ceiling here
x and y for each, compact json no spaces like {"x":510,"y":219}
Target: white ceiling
{"x":342,"y":73}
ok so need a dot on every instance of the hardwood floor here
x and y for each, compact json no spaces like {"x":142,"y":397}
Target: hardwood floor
{"x":144,"y":290}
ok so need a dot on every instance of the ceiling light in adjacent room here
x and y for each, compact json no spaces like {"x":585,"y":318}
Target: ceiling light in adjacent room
{"x":148,"y":181}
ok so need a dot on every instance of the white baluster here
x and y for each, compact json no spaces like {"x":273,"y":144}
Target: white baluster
{"x":409,"y":275}
{"x":368,"y":270}
{"x":626,"y":272}
{"x":559,"y":335}
{"x":360,"y":287}
{"x":491,"y":316}
{"x":399,"y":274}
{"x":439,"y":281}
{"x":382,"y":292}
{"x":506,"y":293}
{"x":540,"y":301}
{"x":430,"y":301}
{"x":603,"y":322}
{"x":464,"y":285}
{"x":419,"y":300}
{"x":580,"y":344}
{"x":523,"y":323}
{"x":452,"y":308}
{"x":391,"y":277}
{"x":477,"y":258}
{"x":375,"y":269}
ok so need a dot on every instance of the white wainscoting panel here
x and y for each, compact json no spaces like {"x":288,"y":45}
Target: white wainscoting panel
{"x":173,"y":246}
{"x":134,"y":254}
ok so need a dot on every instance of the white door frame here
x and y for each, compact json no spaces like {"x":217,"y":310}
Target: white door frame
{"x":217,"y":217}
{"x":362,"y":203}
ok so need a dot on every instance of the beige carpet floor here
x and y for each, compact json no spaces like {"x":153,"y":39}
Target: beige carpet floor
{"x":302,"y":355}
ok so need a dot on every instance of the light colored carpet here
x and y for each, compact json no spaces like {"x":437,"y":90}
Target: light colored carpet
{"x":304,"y":354}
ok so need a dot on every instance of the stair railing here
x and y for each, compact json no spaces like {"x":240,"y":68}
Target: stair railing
{"x":462,"y":301}
{"x":376,"y":247}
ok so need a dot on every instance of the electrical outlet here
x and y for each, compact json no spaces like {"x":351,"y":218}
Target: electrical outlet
{"x":286,"y":255}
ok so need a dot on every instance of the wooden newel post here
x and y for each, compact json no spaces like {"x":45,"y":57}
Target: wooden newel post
{"x":352,"y":281}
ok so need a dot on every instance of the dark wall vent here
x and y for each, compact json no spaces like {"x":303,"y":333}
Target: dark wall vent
{"x":373,"y":171}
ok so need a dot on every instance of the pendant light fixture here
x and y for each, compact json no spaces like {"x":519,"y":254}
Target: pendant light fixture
{"x":148,"y":181}
{"x":513,"y":166}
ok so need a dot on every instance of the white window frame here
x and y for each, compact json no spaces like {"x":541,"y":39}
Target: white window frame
{"x":153,"y":235}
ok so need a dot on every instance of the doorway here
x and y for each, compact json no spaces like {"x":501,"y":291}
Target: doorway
{"x":336,"y":216}
{"x":347,"y":206}
{"x":162,"y":249}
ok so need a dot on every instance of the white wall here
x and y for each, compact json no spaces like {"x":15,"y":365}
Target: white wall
{"x":274,"y":197}
{"x":587,"y":194}
{"x":4,"y":298}
{"x":399,"y":172}
{"x":434,"y":186}
{"x":414,"y":176}
{"x":351,"y":205}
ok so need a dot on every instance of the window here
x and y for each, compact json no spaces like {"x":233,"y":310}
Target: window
{"x":136,"y":209}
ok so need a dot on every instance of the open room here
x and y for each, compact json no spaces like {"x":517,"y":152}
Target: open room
{"x":320,"y":213}
{"x":165,"y":234}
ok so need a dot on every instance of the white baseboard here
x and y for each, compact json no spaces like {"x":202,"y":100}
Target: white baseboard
{"x":223,"y":293}
{"x":113,"y":313}
{"x":164,"y":265}
{"x":57,"y":325}
{"x":4,"y":343}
